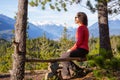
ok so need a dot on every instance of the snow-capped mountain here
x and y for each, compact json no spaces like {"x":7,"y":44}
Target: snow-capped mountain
{"x":56,"y":29}
{"x":34,"y":32}
{"x":51,"y":30}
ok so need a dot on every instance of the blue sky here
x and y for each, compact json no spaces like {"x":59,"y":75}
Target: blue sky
{"x":36,"y":15}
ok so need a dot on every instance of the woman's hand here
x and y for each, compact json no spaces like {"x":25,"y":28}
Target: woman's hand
{"x":68,"y":50}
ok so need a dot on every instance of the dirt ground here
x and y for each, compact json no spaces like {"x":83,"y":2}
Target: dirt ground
{"x":39,"y":75}
{"x":34,"y":75}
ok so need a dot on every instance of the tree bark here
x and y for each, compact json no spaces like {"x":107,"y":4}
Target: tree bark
{"x":104,"y":28}
{"x":17,"y":72}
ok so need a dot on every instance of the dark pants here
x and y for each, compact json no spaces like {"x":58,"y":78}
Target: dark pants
{"x":67,"y":65}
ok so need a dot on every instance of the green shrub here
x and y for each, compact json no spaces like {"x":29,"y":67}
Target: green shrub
{"x":91,"y":63}
{"x":99,"y":60}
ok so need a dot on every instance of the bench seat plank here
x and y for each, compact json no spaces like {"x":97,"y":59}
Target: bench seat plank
{"x":56,"y":60}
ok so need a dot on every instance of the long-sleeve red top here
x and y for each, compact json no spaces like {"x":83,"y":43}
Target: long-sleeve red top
{"x":82,"y":37}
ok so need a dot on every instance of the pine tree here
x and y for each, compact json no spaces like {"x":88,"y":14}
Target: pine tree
{"x":104,"y":28}
{"x":17,"y":72}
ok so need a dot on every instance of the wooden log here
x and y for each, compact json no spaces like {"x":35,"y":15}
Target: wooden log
{"x":56,"y":60}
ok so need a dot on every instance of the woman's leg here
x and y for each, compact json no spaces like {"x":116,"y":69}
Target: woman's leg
{"x":81,"y":53}
{"x":65,"y":70}
{"x":67,"y":65}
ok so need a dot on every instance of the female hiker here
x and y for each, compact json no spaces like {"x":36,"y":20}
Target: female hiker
{"x":80,"y":48}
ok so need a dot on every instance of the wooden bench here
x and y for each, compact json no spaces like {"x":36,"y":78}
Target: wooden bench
{"x":56,"y":60}
{"x":54,"y":68}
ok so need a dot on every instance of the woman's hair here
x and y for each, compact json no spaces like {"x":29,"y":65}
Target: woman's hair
{"x":82,"y":17}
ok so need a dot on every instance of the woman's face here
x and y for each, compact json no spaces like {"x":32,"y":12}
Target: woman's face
{"x":77,"y":20}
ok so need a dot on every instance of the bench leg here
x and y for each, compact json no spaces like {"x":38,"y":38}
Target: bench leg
{"x":54,"y":72}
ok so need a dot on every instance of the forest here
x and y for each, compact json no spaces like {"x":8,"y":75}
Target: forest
{"x":43,"y":48}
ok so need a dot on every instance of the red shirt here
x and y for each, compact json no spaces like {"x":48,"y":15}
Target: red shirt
{"x":82,"y":37}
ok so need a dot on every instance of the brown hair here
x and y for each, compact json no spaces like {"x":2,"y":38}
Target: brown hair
{"x":82,"y":17}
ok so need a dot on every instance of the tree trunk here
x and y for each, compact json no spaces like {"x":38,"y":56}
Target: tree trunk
{"x":17,"y":72}
{"x":104,"y":29}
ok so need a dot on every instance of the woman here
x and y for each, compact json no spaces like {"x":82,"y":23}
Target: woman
{"x":80,"y":48}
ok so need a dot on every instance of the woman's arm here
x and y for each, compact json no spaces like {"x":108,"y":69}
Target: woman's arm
{"x":79,"y":38}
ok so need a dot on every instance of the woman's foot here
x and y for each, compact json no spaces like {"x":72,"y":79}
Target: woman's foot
{"x":66,"y":77}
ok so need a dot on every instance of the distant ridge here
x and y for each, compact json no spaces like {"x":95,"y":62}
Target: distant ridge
{"x":114,"y":28}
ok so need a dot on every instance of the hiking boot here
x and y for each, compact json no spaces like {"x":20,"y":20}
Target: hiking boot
{"x":66,"y":77}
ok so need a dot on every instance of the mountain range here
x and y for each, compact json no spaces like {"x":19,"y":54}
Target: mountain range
{"x":114,"y":28}
{"x":52,"y":31}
